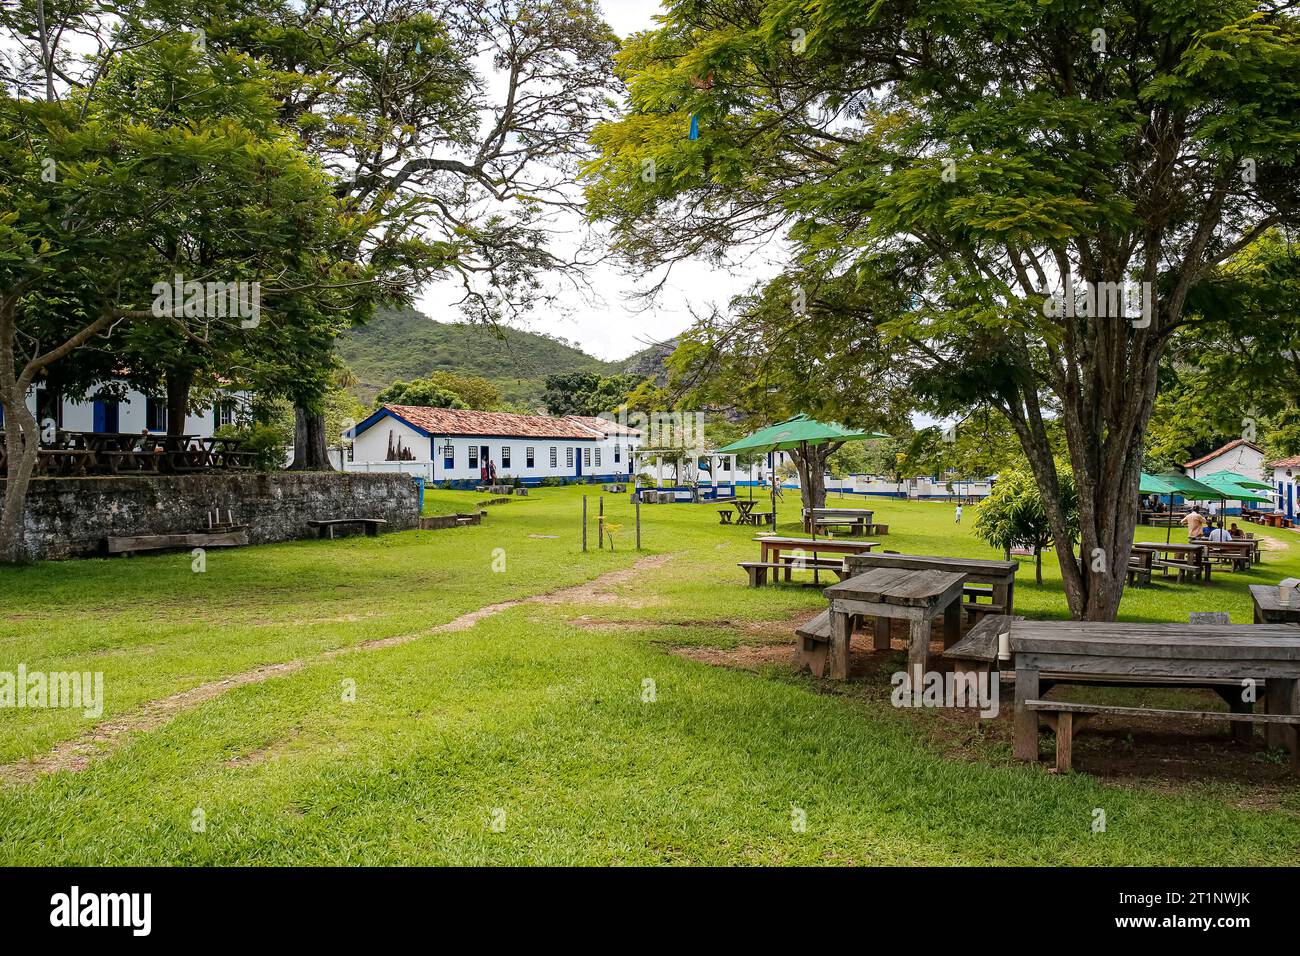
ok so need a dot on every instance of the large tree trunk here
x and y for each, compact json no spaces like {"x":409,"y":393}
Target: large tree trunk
{"x":179,"y":383}
{"x":811,"y":465}
{"x":22,"y":442}
{"x":310,"y":453}
{"x":1106,"y":399}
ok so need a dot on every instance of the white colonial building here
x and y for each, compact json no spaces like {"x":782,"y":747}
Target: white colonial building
{"x":1284,"y":473}
{"x":133,"y":413}
{"x":452,"y":446}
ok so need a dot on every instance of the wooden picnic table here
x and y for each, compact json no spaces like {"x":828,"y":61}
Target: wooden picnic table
{"x":1275,"y":605}
{"x":998,"y":576}
{"x":771,"y":546}
{"x":183,"y":453}
{"x":857,"y":520}
{"x":1156,"y":654}
{"x":917,"y":597}
{"x":1239,"y":552}
{"x":225,"y":453}
{"x":1188,"y":558}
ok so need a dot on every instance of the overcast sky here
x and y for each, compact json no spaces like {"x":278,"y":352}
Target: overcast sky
{"x":610,"y":327}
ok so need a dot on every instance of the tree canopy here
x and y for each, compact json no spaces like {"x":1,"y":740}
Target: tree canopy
{"x":1018,"y":201}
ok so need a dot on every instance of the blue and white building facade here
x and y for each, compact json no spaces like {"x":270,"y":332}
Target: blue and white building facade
{"x":451,"y":447}
{"x":134,"y":412}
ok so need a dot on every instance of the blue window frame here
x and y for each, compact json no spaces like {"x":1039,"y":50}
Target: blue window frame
{"x":449,"y":455}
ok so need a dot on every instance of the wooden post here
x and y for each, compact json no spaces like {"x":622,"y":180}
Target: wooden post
{"x":882,"y":633}
{"x":1064,"y":742}
{"x":841,"y":636}
{"x":638,"y":522}
{"x":600,"y":525}
{"x":584,"y":522}
{"x":1025,"y":741}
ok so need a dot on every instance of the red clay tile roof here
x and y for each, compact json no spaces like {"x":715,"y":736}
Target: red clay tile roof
{"x":1291,"y":462}
{"x":1219,"y":451}
{"x":603,"y":425}
{"x":459,"y":421}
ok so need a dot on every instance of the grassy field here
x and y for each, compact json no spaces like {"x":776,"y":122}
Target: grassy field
{"x":341,"y":703}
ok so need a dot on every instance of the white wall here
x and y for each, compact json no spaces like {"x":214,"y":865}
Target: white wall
{"x":79,"y":416}
{"x":1243,"y":459}
{"x":371,"y":447}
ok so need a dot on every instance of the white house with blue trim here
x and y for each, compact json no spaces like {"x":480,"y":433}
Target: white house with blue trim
{"x":133,"y":412}
{"x":452,"y":446}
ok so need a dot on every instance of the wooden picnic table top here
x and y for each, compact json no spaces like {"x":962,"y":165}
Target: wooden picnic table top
{"x":815,"y":544}
{"x":1171,"y":642}
{"x":1270,"y":597}
{"x":838,"y":512}
{"x":901,"y":586}
{"x":981,"y":570}
{"x":1172,"y":547}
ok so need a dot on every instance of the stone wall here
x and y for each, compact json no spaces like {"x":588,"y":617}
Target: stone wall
{"x":71,"y":517}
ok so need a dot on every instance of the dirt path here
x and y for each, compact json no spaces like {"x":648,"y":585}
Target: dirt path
{"x":108,"y":735}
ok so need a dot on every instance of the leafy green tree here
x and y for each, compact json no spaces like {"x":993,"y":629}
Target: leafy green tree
{"x":942,"y":170}
{"x":474,"y":391}
{"x":106,"y":195}
{"x":423,"y":393}
{"x":1014,"y":516}
{"x":587,"y":393}
{"x":398,"y":102}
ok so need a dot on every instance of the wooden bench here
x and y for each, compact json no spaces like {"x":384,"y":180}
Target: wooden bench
{"x":978,"y":650}
{"x":131,"y":544}
{"x":974,"y":611}
{"x":1184,"y":568}
{"x":1061,"y":718}
{"x":813,"y":644}
{"x":325,"y":529}
{"x":877,"y":529}
{"x":725,"y":515}
{"x":1226,"y":552}
{"x":758,"y":570}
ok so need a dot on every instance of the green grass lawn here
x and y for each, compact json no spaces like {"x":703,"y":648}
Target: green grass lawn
{"x":526,"y":738}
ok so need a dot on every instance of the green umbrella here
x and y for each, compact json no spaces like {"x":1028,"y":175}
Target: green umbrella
{"x":1189,"y":488}
{"x":1238,"y":479}
{"x":1232,"y":491}
{"x":794,"y":433}
{"x":1151,"y":485}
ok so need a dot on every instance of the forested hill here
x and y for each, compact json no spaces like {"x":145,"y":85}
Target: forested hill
{"x":408,"y":345}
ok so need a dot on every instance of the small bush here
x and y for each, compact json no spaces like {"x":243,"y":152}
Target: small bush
{"x":265,"y":442}
{"x":552,"y":481}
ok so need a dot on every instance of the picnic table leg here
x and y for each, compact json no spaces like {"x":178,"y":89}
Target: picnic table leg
{"x":952,"y":623}
{"x":1241,"y":729}
{"x":918,"y":648}
{"x":1280,"y":698}
{"x":1025,"y":741}
{"x":882,"y":634}
{"x":1064,"y":742}
{"x":841,"y":630}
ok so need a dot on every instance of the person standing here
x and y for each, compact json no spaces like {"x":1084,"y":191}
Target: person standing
{"x":958,"y":520}
{"x":492,"y":471}
{"x":1195,"y":522}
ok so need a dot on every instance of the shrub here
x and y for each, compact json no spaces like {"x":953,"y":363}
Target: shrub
{"x":552,"y":481}
{"x":265,"y":442}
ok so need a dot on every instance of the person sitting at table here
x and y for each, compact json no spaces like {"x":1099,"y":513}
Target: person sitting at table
{"x":1236,"y":532}
{"x":1218,"y":534}
{"x":1195,"y":522}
